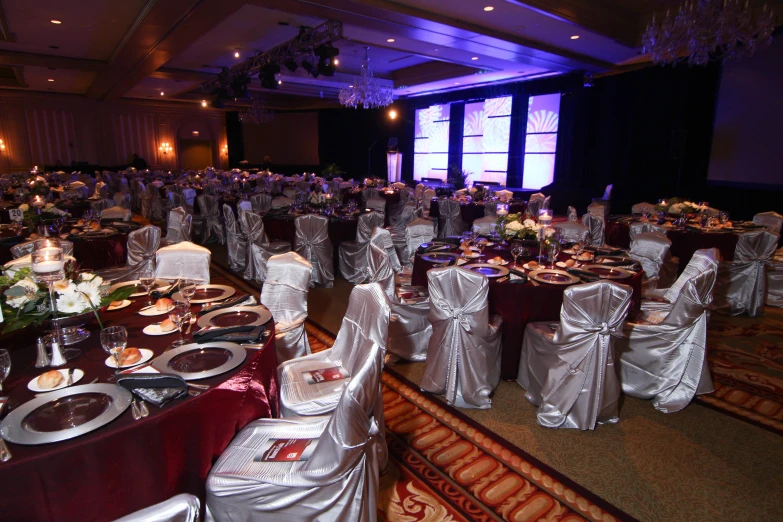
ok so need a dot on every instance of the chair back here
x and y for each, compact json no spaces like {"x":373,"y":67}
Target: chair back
{"x":450,"y":219}
{"x":254,"y":228}
{"x":142,"y":245}
{"x":261,"y":203}
{"x":504,"y":195}
{"x":366,"y":224}
{"x":772,"y":220}
{"x":592,"y":311}
{"x":311,"y":241}
{"x":418,"y":231}
{"x":367,"y":319}
{"x":651,"y":249}
{"x":282,"y":202}
{"x":285,"y":287}
{"x":418,"y":193}
{"x":534,"y":204}
{"x":703,"y":261}
{"x":180,"y":508}
{"x":369,"y":193}
{"x":379,"y":267}
{"x":426,"y":200}
{"x":290,"y":192}
{"x":232,"y":228}
{"x":573,"y":232}
{"x":485,"y":225}
{"x":694,"y":293}
{"x":637,"y":227}
{"x":458,"y":300}
{"x":572,"y":215}
{"x":597,"y":227}
{"x":490,"y":209}
{"x":377,"y":204}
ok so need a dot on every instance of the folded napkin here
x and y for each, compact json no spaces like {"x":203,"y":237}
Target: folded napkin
{"x":232,"y":334}
{"x":243,"y":300}
{"x":155,"y":388}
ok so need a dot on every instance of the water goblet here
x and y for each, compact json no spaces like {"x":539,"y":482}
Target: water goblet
{"x":5,"y":366}
{"x":114,"y":339}
{"x":516,"y":251}
{"x":553,"y":250}
{"x":179,"y":315}
{"x":188,"y":288}
{"x":147,"y":280}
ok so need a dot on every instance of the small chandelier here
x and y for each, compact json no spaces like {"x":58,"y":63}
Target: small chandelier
{"x":704,"y":30}
{"x":256,"y":113}
{"x":366,"y":90}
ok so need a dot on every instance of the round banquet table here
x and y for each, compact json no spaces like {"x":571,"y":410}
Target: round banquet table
{"x":75,"y":208}
{"x":93,"y":253}
{"x":129,"y":464}
{"x":473,"y":211}
{"x":519,"y":304}
{"x":684,"y":242}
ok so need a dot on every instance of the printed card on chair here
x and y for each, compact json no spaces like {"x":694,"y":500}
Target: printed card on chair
{"x":285,"y":450}
{"x":335,"y":373}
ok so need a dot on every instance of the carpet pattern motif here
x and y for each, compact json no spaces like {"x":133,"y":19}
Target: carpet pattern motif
{"x":745,"y":355}
{"x":445,"y":467}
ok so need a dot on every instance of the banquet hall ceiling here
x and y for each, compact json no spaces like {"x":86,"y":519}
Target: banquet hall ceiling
{"x":105,"y":49}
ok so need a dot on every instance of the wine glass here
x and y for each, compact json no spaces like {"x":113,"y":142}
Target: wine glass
{"x":147,"y":280}
{"x":188,"y":288}
{"x":5,"y":366}
{"x":553,"y":248}
{"x":179,"y":315}
{"x":516,"y":251}
{"x":481,"y":244}
{"x":114,"y":339}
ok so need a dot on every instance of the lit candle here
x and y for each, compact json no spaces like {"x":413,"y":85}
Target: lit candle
{"x":545,"y":216}
{"x":502,"y":212}
{"x":38,"y":202}
{"x":48,"y":266}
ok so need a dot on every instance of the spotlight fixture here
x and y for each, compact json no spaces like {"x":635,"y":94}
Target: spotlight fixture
{"x":336,"y":61}
{"x":326,"y":55}
{"x":56,"y":22}
{"x":311,"y":69}
{"x":239,"y":85}
{"x":575,"y":37}
{"x":236,"y":54}
{"x":489,"y":8}
{"x":203,"y":103}
{"x":267,"y":75}
{"x":290,"y":64}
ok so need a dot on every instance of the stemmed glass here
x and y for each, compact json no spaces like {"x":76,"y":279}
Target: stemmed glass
{"x":481,"y":244}
{"x":5,"y":366}
{"x":114,"y":339}
{"x":553,"y":250}
{"x":147,"y":280}
{"x":179,"y":315}
{"x":516,"y":251}
{"x":188,"y":288}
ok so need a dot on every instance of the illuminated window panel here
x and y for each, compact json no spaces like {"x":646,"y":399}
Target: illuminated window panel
{"x":431,"y":142}
{"x":485,"y":139}
{"x":543,"y":117}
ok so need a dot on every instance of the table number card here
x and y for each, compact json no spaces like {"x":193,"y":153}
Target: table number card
{"x":285,"y":450}
{"x":15,"y":214}
{"x":335,"y":373}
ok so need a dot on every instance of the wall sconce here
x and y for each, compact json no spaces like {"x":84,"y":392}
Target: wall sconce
{"x":165,"y":147}
{"x":2,"y":146}
{"x":224,"y":150}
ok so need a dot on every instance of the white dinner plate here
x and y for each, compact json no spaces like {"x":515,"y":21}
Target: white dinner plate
{"x":77,"y":375}
{"x":146,"y":355}
{"x":154,"y":329}
{"x":487,"y":270}
{"x":527,"y":266}
{"x":582,"y":257}
{"x":561,"y":264}
{"x":152,"y":312}
{"x":159,"y":283}
{"x":120,"y":306}
{"x":209,"y":294}
{"x":502,"y":263}
{"x":472,"y":255}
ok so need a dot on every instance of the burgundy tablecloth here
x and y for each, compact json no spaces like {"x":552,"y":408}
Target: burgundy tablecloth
{"x":128,"y":465}
{"x":520,"y":304}
{"x":473,"y":211}
{"x":684,"y":242}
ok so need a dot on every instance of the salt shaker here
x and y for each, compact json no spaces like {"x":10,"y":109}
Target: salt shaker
{"x":43,"y":357}
{"x":58,"y":359}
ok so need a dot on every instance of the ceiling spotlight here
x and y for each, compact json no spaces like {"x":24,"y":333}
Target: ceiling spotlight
{"x":279,"y":82}
{"x":236,"y":54}
{"x":575,"y":37}
{"x":203,"y":103}
{"x":456,"y":83}
{"x":56,"y":22}
{"x":161,"y":92}
{"x":390,"y":40}
{"x":326,"y":55}
{"x":267,"y":75}
{"x":489,"y":8}
{"x":336,"y":61}
{"x":50,"y":80}
{"x":290,"y":64}
{"x":310,"y":68}
{"x":474,"y":58}
{"x":393,"y":114}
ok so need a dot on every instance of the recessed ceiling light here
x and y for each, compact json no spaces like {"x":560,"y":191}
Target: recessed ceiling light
{"x":336,"y":61}
{"x":390,"y":40}
{"x":489,"y":8}
{"x":50,"y":80}
{"x":575,"y":37}
{"x":203,"y":103}
{"x":350,"y":86}
{"x":162,"y":93}
{"x":474,"y":58}
{"x":236,"y":54}
{"x":279,"y":82}
{"x":56,"y":22}
{"x":456,"y":83}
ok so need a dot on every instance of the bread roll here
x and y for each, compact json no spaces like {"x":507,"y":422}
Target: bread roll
{"x":33,"y":236}
{"x":115,"y":303}
{"x":569,"y":263}
{"x":50,"y":379}
{"x":167,"y":325}
{"x":129,"y":356}
{"x":532,"y":264}
{"x":95,"y":226}
{"x":162,"y":304}
{"x":497,"y":260}
{"x":75,"y":231}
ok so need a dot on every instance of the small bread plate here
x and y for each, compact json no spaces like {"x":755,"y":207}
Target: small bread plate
{"x":564,"y":266}
{"x":123,"y":304}
{"x":439,"y":257}
{"x":608,"y":272}
{"x":553,"y":277}
{"x":527,"y":266}
{"x":487,"y":270}
{"x":614,"y":260}
{"x":208,"y":293}
{"x":236,"y":316}
{"x":154,"y":329}
{"x":151,"y":312}
{"x":77,"y":375}
{"x":200,"y":361}
{"x":471,"y":255}
{"x":65,"y":414}
{"x":584,"y":257}
{"x":502,"y":262}
{"x":146,"y":355}
{"x":140,"y":289}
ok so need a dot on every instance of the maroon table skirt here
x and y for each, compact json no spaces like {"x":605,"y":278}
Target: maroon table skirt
{"x":473,"y":211}
{"x":128,"y":465}
{"x":520,"y":304}
{"x":684,"y":242}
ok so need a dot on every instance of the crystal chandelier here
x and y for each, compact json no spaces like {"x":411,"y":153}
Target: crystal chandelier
{"x":704,"y":30}
{"x":366,"y":90}
{"x":256,"y":113}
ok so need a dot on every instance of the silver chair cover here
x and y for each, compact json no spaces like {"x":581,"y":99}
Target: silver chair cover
{"x":174,"y":222}
{"x":418,"y":231}
{"x":419,"y":192}
{"x":236,"y":242}
{"x":572,"y":232}
{"x":285,"y":294}
{"x":775,"y":283}
{"x":401,"y":215}
{"x":115,"y":212}
{"x":340,"y":480}
{"x":597,"y":228}
{"x":639,"y":208}
{"x":122,"y":199}
{"x":534,"y":203}
{"x":212,"y":224}
{"x":262,"y":203}
{"x":485,"y":225}
{"x":450,"y":219}
{"x":367,"y":319}
{"x":741,"y":286}
{"x":353,"y":254}
{"x":183,"y":259}
{"x":379,"y":268}
{"x":570,"y":373}
{"x":382,"y":238}
{"x":157,"y":205}
{"x":463,"y":356}
{"x":772,"y":220}
{"x":368,"y":194}
{"x":427,"y":198}
{"x":651,"y":249}
{"x":663,"y":354}
{"x":504,"y":195}
{"x":642,"y":227}
{"x":290,"y":192}
{"x":572,"y":214}
{"x":378,"y":204}
{"x":281,"y":202}
{"x":312,"y":243}
{"x":490,"y":208}
{"x":259,"y":249}
{"x":142,"y":246}
{"x":179,"y":508}
{"x":99,"y":204}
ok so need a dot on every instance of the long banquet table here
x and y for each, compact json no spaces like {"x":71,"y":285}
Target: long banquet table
{"x":519,"y":304}
{"x":129,"y":464}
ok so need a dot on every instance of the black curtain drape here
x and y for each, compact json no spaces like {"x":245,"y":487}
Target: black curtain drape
{"x":456,"y":125}
{"x":235,"y":139}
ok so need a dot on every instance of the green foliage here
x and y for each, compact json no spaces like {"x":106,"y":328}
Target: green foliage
{"x":333,"y":171}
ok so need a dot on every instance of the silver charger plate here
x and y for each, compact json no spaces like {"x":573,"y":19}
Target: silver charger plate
{"x":608,"y":272}
{"x":433,"y":257}
{"x":158,"y":284}
{"x":234,"y":315}
{"x":37,"y":421}
{"x":487,"y":269}
{"x":553,"y":277}
{"x":201,"y":361}
{"x":220,"y":292}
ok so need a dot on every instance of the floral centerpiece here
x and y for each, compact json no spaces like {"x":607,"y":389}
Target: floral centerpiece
{"x":47,"y":212}
{"x":519,"y":226}
{"x":25,"y":302}
{"x":679,"y":206}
